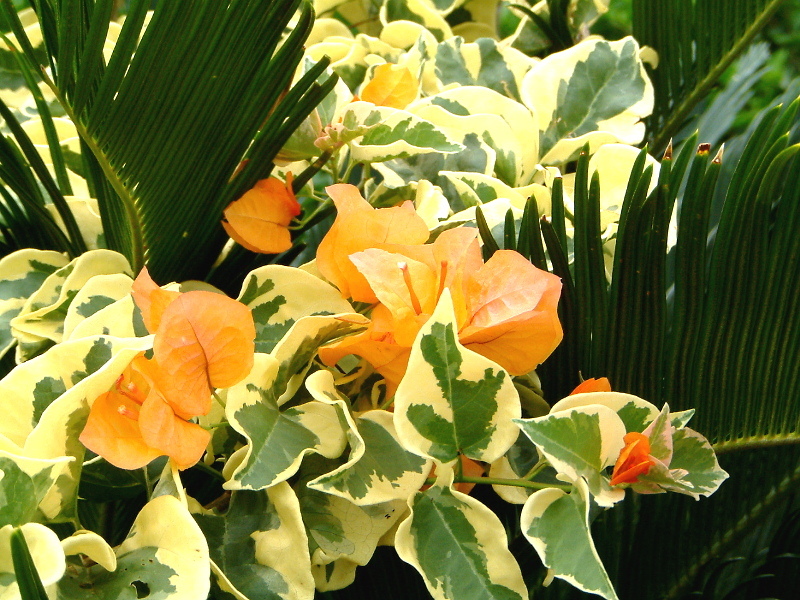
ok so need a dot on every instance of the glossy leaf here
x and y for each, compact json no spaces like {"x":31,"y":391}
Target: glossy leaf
{"x":458,"y":546}
{"x":452,"y":399}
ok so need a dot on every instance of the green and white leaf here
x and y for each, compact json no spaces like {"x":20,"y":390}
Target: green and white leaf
{"x":24,"y":484}
{"x":40,"y":323}
{"x":596,"y":92}
{"x":92,"y":546}
{"x":46,"y":552}
{"x":580,"y":443}
{"x":693,"y":470}
{"x":337,"y":528}
{"x":452,"y":400}
{"x":165,"y":553}
{"x":277,"y":440}
{"x":419,"y":11}
{"x":47,"y":401}
{"x":635,"y":413}
{"x":458,"y":546}
{"x":502,"y":123}
{"x":98,"y":293}
{"x":298,"y":348}
{"x":515,"y":464}
{"x":278,"y":296}
{"x":259,"y":548}
{"x":557,"y":526}
{"x":378,"y":469}
{"x":389,"y":133}
{"x":482,"y":63}
{"x":22,"y":273}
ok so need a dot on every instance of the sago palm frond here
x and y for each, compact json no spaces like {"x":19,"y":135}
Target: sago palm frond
{"x":710,"y":323}
{"x":696,"y":41}
{"x":166,"y":122}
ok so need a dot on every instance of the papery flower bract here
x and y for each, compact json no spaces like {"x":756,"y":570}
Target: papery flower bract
{"x":202,"y":341}
{"x":131,"y":424}
{"x":634,"y":460}
{"x":259,"y":220}
{"x":592,"y":385}
{"x":505,"y":308}
{"x":359,"y":226}
{"x":391,"y":85}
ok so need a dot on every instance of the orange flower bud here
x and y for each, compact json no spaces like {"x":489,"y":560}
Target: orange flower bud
{"x":634,"y":460}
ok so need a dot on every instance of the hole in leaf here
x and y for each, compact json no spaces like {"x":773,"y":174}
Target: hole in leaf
{"x":142,"y":589}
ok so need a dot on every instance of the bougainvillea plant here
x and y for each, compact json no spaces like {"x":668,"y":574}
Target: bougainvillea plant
{"x":357,"y":394}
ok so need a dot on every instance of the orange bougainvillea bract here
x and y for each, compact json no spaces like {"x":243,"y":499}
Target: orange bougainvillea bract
{"x":391,"y":85}
{"x":203,"y":340}
{"x":506,"y":308}
{"x":592,"y":385}
{"x":259,"y":220}
{"x":634,"y":459}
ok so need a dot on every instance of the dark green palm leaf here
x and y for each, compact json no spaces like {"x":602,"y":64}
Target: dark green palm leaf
{"x":696,"y":41}
{"x":166,"y":123}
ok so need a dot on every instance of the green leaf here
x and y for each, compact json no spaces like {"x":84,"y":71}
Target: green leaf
{"x":259,"y":546}
{"x":164,"y":555}
{"x":277,"y":440}
{"x":30,"y":559}
{"x":453,"y":400}
{"x":378,"y":469}
{"x":581,"y":443}
{"x":557,"y":525}
{"x":458,"y":546}
{"x":278,"y":296}
{"x":594,"y":92}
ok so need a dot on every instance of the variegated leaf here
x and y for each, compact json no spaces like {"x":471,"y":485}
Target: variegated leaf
{"x":300,"y":345}
{"x":557,"y":525}
{"x":379,"y":469}
{"x":47,"y":401}
{"x":277,"y":440}
{"x":596,"y":92}
{"x":390,"y":133}
{"x":259,"y":546}
{"x":452,"y":400}
{"x":580,"y":443}
{"x":46,"y":552}
{"x":278,"y":296}
{"x":40,"y":323}
{"x":21,"y":274}
{"x":517,"y":151}
{"x":458,"y":546}
{"x":635,"y":413}
{"x":98,"y":293}
{"x":164,"y":555}
{"x":419,"y":11}
{"x":482,"y":63}
{"x":24,"y":484}
{"x":337,"y":528}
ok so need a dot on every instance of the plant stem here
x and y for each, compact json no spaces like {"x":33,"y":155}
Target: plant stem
{"x":534,"y":485}
{"x":756,"y":442}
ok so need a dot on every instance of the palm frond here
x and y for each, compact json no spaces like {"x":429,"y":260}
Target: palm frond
{"x":166,"y":122}
{"x":696,"y":41}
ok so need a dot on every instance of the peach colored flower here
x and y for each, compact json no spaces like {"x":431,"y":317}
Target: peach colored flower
{"x":202,"y":341}
{"x":506,"y":308}
{"x":359,"y":226}
{"x":259,"y":220}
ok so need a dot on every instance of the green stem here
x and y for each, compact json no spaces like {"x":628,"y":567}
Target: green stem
{"x":684,"y":109}
{"x":534,"y":485}
{"x":757,"y":442}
